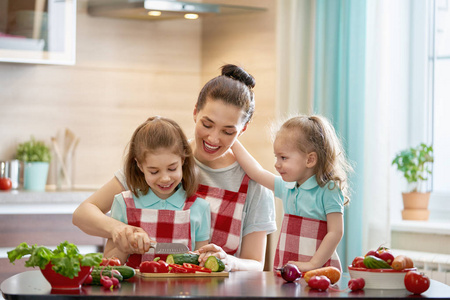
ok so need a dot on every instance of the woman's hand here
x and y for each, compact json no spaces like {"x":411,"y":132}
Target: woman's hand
{"x":130,"y":239}
{"x":213,"y":249}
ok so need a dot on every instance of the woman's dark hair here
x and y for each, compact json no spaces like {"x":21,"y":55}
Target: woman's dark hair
{"x":154,"y":134}
{"x":234,"y":86}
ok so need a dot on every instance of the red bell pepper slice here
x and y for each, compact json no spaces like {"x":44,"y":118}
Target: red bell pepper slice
{"x":196,"y":268}
{"x":180,"y":269}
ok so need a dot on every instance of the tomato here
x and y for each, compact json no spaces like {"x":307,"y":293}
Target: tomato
{"x":196,"y":268}
{"x":5,"y":184}
{"x":416,"y":282}
{"x":113,"y":261}
{"x":358,"y":262}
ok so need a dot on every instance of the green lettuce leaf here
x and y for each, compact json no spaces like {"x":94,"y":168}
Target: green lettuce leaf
{"x":66,"y":258}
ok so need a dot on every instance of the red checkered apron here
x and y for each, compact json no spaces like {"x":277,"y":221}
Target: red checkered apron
{"x":299,"y":239}
{"x":161,"y":225}
{"x":226,"y":214}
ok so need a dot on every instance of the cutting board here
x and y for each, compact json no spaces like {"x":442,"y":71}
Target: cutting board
{"x":182,"y":275}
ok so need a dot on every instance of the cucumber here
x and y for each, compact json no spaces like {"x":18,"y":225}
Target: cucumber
{"x":179,"y":259}
{"x":125,"y":271}
{"x":214,"y":264}
{"x":372,"y":262}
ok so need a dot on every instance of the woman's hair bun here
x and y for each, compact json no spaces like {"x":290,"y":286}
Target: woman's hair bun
{"x":239,"y":74}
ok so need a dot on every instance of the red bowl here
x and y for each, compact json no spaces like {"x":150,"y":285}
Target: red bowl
{"x":58,"y":281}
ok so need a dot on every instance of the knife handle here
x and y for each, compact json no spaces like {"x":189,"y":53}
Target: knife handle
{"x":153,"y":245}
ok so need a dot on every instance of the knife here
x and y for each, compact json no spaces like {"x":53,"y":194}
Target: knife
{"x":168,"y":248}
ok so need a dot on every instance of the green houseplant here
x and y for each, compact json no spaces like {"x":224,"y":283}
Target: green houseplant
{"x":415,"y":163}
{"x":36,"y":156}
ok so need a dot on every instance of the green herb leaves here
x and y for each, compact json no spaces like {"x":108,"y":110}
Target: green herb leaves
{"x":66,"y":259}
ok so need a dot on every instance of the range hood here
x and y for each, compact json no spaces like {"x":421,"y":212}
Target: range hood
{"x":162,"y":10}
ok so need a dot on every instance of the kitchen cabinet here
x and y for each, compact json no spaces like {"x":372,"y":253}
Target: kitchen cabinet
{"x":43,"y":218}
{"x":38,"y":31}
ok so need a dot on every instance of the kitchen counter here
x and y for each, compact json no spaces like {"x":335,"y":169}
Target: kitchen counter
{"x":43,"y":218}
{"x":239,"y":285}
{"x":31,"y":202}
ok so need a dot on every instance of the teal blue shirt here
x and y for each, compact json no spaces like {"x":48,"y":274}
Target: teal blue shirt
{"x":309,"y":200}
{"x":200,"y":213}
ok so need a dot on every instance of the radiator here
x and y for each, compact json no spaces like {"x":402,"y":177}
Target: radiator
{"x":434,"y":265}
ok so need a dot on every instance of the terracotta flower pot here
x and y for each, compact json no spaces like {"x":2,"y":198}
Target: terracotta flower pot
{"x":415,"y":206}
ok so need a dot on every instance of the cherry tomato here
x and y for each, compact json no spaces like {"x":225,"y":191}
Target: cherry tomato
{"x":5,"y":184}
{"x":113,"y":261}
{"x":319,"y":282}
{"x":358,"y":262}
{"x":416,"y":282}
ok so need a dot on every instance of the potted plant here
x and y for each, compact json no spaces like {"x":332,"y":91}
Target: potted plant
{"x":415,"y":163}
{"x":36,"y":157}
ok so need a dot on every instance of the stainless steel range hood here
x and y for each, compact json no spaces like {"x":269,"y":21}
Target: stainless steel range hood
{"x":161,"y":10}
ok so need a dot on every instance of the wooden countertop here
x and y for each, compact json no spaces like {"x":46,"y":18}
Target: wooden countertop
{"x":239,"y":285}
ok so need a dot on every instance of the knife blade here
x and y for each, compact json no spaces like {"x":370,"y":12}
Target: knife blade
{"x":168,"y":248}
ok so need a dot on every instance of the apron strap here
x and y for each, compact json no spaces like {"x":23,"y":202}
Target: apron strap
{"x":189,"y":202}
{"x":128,"y":197}
{"x":244,"y":185}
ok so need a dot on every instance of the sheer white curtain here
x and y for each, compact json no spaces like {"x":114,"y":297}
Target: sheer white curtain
{"x":392,"y":87}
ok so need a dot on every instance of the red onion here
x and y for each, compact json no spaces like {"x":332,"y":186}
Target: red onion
{"x":290,"y":272}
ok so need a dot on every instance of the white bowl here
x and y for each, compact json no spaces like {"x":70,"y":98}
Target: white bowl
{"x":380,"y":278}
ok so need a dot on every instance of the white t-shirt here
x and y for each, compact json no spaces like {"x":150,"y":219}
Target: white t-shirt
{"x":259,"y":208}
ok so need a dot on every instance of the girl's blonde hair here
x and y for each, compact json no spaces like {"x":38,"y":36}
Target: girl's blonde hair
{"x":154,"y":134}
{"x":316,"y":134}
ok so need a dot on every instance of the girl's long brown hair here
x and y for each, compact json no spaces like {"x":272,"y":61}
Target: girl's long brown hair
{"x":154,"y":134}
{"x":316,"y":134}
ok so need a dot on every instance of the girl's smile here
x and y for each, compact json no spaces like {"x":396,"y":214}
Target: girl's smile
{"x":163,"y":172}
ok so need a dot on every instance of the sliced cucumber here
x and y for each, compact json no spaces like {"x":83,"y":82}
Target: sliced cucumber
{"x":214,"y":264}
{"x":179,"y":259}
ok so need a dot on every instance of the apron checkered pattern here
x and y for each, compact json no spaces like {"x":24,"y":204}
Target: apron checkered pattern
{"x":161,"y":225}
{"x":226,"y":214}
{"x":299,"y":239}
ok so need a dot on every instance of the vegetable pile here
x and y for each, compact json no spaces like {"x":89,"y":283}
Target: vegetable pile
{"x":66,"y":258}
{"x":382,"y":258}
{"x":181,"y":263}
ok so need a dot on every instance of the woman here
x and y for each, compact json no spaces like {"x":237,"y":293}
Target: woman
{"x":242,"y":212}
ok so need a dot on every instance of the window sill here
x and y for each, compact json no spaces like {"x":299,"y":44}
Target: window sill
{"x":431,"y":227}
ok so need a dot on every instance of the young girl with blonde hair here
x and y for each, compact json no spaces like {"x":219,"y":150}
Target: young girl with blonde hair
{"x":313,"y":187}
{"x":161,"y":173}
